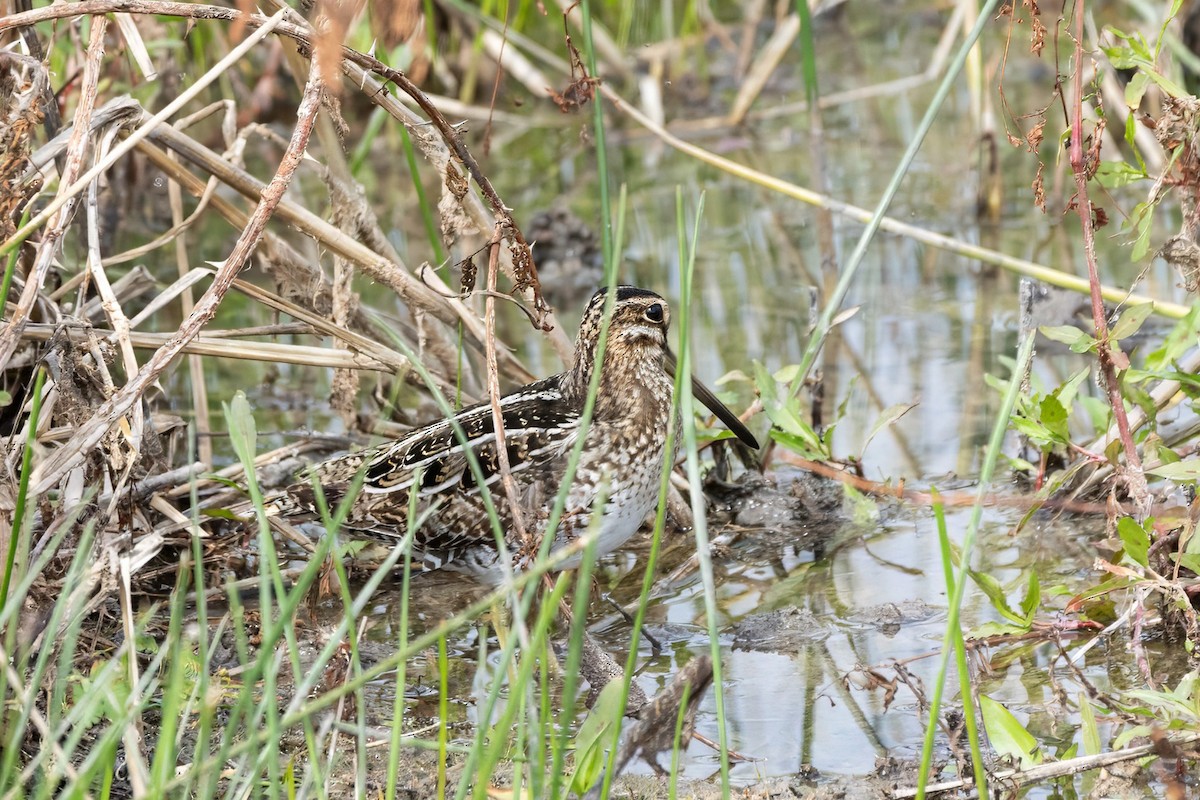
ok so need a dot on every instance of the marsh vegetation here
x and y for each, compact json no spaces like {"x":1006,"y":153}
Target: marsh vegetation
{"x":941,"y":258}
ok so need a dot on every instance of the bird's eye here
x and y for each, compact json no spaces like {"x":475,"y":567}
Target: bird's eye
{"x":654,"y":313}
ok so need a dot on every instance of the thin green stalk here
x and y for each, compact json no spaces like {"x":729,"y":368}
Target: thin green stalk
{"x":606,"y":225}
{"x":18,"y":520}
{"x":431,"y":228}
{"x":17,"y":541}
{"x":207,"y":709}
{"x":700,"y":523}
{"x":648,"y":577}
{"x":398,"y":705}
{"x":304,"y":707}
{"x":443,"y":670}
{"x":960,"y":651}
{"x":676,"y":743}
{"x":968,"y":543}
{"x":497,"y":745}
{"x":65,"y":608}
{"x":243,"y":438}
{"x":466,"y":89}
{"x":833,"y":306}
{"x":808,"y":55}
{"x":165,"y":754}
{"x":10,"y":264}
{"x":575,"y":634}
{"x":362,"y":150}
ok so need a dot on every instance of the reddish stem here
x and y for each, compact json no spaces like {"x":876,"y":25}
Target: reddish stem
{"x":1108,"y":369}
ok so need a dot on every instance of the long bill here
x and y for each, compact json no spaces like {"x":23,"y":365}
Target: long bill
{"x":710,"y":401}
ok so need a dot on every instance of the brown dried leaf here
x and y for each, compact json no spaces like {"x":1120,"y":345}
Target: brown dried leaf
{"x":1039,"y":188}
{"x":582,"y":87}
{"x":456,"y":183}
{"x":469,"y":274}
{"x":1038,"y":37}
{"x":1034,"y":138}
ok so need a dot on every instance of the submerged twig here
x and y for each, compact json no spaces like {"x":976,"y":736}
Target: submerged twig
{"x":1016,"y":778}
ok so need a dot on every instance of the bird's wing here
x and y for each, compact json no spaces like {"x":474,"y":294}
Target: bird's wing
{"x":538,"y":429}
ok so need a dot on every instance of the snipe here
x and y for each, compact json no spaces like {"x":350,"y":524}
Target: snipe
{"x":623,"y":453}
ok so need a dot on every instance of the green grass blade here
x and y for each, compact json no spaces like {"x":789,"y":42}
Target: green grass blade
{"x":955,"y":600}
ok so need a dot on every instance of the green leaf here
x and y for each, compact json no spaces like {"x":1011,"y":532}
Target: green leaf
{"x":1121,"y":57}
{"x":1166,"y":84}
{"x":863,"y":510}
{"x":1135,"y":538}
{"x":1166,"y":455}
{"x":1129,"y":734}
{"x":1191,"y":560}
{"x":1067,"y":334}
{"x":809,"y":448}
{"x":6,"y":398}
{"x":1007,"y":735}
{"x":242,"y":432}
{"x":1066,"y":393}
{"x":1180,"y":339}
{"x":1054,"y":418}
{"x":734,"y":376}
{"x":1083,"y":345}
{"x":989,"y":629}
{"x":887,"y":418}
{"x":1180,"y":471}
{"x":1115,"y":174}
{"x":1087,"y":721}
{"x":995,"y":592}
{"x":786,"y":374}
{"x":218,"y":513}
{"x":589,"y":743}
{"x":1136,"y":88}
{"x":1032,"y":430}
{"x":1144,"y":214}
{"x":1033,"y":596}
{"x":1131,"y":320}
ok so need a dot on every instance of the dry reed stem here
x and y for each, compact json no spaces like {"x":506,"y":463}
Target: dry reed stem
{"x":114,"y":110}
{"x":299,"y":276}
{"x":890,"y":224}
{"x":392,"y":359}
{"x":357,"y":66}
{"x":137,"y":47}
{"x":48,"y":472}
{"x":65,"y":201}
{"x":109,"y":301}
{"x":378,"y":267}
{"x":214,"y":344}
{"x":493,"y":384}
{"x":769,"y":58}
{"x":187,"y":302}
{"x":67,"y":194}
